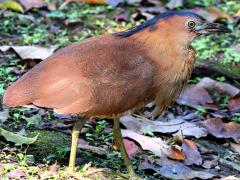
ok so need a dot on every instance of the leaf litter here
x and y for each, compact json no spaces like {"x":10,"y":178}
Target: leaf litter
{"x":174,"y":170}
{"x":177,"y":126}
{"x":189,"y":153}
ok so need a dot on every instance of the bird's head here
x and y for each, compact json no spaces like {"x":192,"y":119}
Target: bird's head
{"x":179,"y":27}
{"x":188,"y":25}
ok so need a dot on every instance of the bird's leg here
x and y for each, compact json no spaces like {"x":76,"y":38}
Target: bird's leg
{"x":75,"y":133}
{"x":119,"y":141}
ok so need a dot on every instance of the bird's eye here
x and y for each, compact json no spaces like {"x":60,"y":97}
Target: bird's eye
{"x":191,"y":24}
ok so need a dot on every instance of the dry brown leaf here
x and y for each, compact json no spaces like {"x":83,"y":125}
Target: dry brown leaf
{"x":155,"y":145}
{"x":131,"y":148}
{"x":178,"y":126}
{"x":30,"y":52}
{"x":176,"y":153}
{"x":220,"y":87}
{"x":196,"y":96}
{"x":192,"y":155}
{"x":16,"y":174}
{"x":29,"y":4}
{"x":234,"y":104}
{"x":175,"y":170}
{"x":212,"y":14}
{"x":217,"y":128}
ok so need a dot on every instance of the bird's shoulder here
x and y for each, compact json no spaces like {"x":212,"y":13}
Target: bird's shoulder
{"x":101,"y":55}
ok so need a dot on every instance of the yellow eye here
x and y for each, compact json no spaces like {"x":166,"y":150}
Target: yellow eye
{"x":191,"y":24}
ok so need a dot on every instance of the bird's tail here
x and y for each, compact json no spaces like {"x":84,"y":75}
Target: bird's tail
{"x":16,"y":95}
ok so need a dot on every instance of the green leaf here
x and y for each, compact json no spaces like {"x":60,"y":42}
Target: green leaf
{"x":33,"y":121}
{"x":10,"y":4}
{"x":17,"y":139}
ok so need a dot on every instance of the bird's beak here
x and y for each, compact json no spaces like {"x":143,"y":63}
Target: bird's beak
{"x":209,"y":28}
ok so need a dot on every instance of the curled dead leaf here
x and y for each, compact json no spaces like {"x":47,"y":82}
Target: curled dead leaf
{"x":220,"y":87}
{"x":217,"y":128}
{"x":196,"y":96}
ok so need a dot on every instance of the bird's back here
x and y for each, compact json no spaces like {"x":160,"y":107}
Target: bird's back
{"x":104,"y":75}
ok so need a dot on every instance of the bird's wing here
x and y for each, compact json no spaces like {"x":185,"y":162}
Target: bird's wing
{"x":100,"y":76}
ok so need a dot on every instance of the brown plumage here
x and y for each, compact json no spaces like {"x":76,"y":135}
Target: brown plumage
{"x":110,"y":74}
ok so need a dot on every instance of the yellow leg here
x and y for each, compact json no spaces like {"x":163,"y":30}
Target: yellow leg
{"x":119,"y":141}
{"x":75,"y":133}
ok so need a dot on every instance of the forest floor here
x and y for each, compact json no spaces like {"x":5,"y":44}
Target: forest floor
{"x":196,"y":138}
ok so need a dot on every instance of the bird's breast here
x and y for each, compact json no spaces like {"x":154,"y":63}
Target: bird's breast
{"x":173,"y":74}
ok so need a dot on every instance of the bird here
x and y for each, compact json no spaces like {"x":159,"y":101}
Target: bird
{"x":107,"y":75}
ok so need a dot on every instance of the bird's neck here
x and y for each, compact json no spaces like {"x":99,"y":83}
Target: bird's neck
{"x":173,"y":55}
{"x":164,"y":44}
